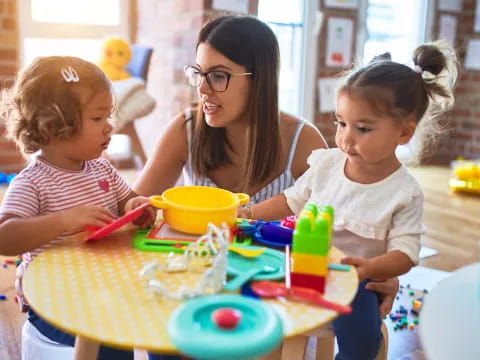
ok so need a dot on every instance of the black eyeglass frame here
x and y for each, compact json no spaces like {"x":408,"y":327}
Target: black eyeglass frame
{"x":206,"y":76}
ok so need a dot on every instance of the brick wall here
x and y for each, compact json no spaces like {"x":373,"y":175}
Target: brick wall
{"x":10,"y":158}
{"x":171,"y":28}
{"x":463,"y":122}
{"x":324,"y":121}
{"x":464,"y":139}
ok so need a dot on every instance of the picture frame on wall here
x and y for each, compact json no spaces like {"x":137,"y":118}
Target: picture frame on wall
{"x":339,"y":42}
{"x":447,"y":28}
{"x":476,"y":21}
{"x":235,"y":6}
{"x":345,"y":4}
{"x":450,"y":5}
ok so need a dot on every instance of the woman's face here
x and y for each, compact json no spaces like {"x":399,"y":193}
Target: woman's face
{"x":230,"y":106}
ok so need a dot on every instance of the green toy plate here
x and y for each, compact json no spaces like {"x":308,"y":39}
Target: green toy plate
{"x":237,"y":264}
{"x":141,"y":242}
{"x":194,"y":333}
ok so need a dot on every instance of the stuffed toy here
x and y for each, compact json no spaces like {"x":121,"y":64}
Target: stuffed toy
{"x":116,"y":55}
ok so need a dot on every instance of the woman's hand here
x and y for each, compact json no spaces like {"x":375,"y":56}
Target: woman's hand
{"x":242,"y":213}
{"x":387,"y":290}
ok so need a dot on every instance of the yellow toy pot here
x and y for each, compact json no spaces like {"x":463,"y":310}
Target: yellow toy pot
{"x":190,"y":208}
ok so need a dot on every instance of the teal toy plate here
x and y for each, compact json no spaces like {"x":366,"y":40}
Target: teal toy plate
{"x":238,"y":264}
{"x":194,"y":333}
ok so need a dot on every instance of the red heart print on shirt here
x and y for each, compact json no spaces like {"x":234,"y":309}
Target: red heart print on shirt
{"x":104,"y":185}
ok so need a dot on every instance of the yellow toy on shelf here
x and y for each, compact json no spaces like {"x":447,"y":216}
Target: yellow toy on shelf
{"x":116,"y":54}
{"x":467,"y":176}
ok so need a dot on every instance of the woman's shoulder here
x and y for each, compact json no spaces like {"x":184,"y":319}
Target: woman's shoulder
{"x":309,"y":134}
{"x":178,"y":125}
{"x":308,"y":138}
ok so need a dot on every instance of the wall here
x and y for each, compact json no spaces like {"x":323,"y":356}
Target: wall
{"x":10,"y":158}
{"x":324,"y":121}
{"x":464,"y":139}
{"x":171,"y":28}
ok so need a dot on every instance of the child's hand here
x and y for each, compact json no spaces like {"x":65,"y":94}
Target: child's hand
{"x":135,"y":202}
{"x":149,"y":214}
{"x":387,"y":290}
{"x":76,"y":218}
{"x":363,"y":266}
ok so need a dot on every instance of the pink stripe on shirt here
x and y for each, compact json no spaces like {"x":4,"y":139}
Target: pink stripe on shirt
{"x":42,"y":189}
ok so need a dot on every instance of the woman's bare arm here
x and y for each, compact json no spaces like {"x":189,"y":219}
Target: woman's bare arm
{"x":164,"y":166}
{"x":310,"y":139}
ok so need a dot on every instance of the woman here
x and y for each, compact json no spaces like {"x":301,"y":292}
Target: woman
{"x":236,"y":138}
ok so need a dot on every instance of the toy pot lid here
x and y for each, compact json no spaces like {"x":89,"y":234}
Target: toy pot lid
{"x":194,"y":332}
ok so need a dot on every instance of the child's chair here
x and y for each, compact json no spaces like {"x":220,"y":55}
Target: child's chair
{"x":35,"y":346}
{"x":138,"y":67}
{"x":295,"y":348}
{"x":140,"y":61}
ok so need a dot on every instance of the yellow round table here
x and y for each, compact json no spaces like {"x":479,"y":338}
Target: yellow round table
{"x":93,"y":290}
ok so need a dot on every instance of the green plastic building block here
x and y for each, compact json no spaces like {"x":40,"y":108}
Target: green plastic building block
{"x":312,"y":233}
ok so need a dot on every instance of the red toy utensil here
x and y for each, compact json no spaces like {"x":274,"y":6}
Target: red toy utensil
{"x":125,"y":219}
{"x":273,"y":289}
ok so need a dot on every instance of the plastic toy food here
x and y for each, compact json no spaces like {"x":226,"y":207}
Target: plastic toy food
{"x":226,"y":318}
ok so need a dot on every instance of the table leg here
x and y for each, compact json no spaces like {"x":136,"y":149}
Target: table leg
{"x":294,"y":348}
{"x":85,"y":349}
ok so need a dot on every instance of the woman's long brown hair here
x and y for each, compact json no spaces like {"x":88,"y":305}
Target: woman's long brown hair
{"x":249,"y":42}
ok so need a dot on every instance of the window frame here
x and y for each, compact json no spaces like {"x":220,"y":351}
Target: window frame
{"x":29,"y":28}
{"x":312,"y":23}
{"x":424,"y":36}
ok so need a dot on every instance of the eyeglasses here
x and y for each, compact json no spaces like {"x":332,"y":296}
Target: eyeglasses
{"x":216,"y":79}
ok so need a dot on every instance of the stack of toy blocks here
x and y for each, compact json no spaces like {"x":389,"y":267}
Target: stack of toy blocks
{"x":310,"y":247}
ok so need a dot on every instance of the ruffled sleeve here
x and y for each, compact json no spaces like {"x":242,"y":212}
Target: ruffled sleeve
{"x":407,"y":227}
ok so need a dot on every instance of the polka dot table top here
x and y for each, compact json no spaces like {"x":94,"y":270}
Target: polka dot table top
{"x":94,"y":290}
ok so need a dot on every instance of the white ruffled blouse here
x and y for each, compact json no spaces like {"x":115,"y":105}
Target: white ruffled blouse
{"x":370,"y":219}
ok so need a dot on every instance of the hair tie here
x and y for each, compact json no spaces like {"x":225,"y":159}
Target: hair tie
{"x":70,"y":75}
{"x":417,"y":69}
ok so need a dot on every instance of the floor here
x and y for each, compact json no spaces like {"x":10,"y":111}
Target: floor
{"x":452,"y":229}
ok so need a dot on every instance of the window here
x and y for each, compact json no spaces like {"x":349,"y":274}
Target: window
{"x":395,"y":26}
{"x":292,"y":21}
{"x":70,"y":27}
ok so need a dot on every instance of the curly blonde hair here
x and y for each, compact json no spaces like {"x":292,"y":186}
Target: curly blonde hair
{"x":42,"y":105}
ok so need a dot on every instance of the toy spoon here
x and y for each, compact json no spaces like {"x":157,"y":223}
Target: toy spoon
{"x":246,"y":252}
{"x":242,"y":278}
{"x":274,"y":289}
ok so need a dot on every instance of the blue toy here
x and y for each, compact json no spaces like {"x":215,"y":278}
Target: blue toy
{"x":267,"y":232}
{"x":6,"y":179}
